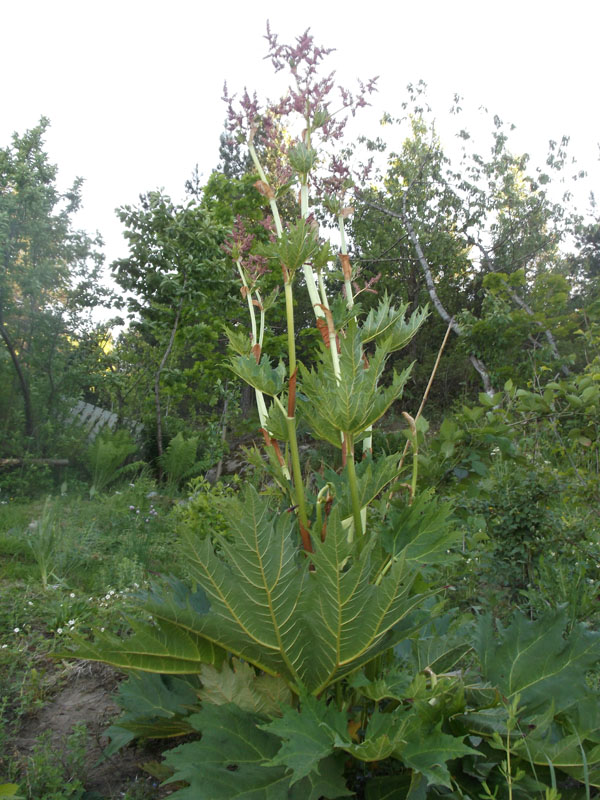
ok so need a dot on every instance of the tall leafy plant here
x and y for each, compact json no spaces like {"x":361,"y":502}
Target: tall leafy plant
{"x":295,"y":654}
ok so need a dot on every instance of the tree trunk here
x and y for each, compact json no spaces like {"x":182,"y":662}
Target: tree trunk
{"x":403,"y":216}
{"x":29,"y":427}
{"x":167,"y":353}
{"x":548,"y":334}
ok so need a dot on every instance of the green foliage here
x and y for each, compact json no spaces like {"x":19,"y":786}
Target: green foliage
{"x":179,"y":459}
{"x":50,"y":776}
{"x":176,"y":276}
{"x":157,"y":705}
{"x":256,"y":590}
{"x":106,"y":456}
{"x":534,"y":661}
{"x":354,"y":401}
{"x":262,"y":376}
{"x":390,"y":323}
{"x":201,"y":514}
{"x":43,"y":542}
{"x":10,"y":790}
{"x":233,"y":760}
{"x":50,"y":280}
{"x":296,"y":246}
{"x":309,"y":645}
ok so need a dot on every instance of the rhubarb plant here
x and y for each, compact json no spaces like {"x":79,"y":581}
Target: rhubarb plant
{"x":309,"y":651}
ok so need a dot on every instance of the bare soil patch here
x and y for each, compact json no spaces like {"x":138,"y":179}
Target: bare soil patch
{"x":87,"y":697}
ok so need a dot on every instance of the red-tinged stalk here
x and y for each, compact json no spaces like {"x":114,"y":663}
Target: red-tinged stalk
{"x":291,"y":414}
{"x":330,"y":329}
{"x":271,"y":196}
{"x":345,"y":259}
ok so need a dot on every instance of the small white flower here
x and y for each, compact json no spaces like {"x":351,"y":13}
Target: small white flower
{"x":101,"y":630}
{"x":132,"y":485}
{"x":59,"y":630}
{"x":72,"y":594}
{"x":71,"y":622}
{"x":29,"y":603}
{"x":16,"y":630}
{"x":4,"y":646}
{"x":111,"y":592}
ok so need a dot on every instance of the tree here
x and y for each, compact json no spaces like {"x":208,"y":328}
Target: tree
{"x":480,"y":239}
{"x":181,"y":288}
{"x":50,"y":274}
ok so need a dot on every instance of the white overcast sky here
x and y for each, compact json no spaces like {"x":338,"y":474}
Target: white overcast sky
{"x":133,"y":87}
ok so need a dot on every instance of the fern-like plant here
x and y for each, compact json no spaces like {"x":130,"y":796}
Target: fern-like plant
{"x":178,"y":462}
{"x":106,"y":456}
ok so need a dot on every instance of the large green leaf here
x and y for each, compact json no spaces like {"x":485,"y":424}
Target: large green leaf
{"x":423,"y":531}
{"x":230,"y":762}
{"x":534,"y":659}
{"x":239,"y":683}
{"x":155,"y":706}
{"x":308,"y":735}
{"x":171,"y":644}
{"x":262,"y":376}
{"x":427,"y":752}
{"x":354,"y":401}
{"x":310,"y":627}
{"x":389,"y":323}
{"x":372,"y":478}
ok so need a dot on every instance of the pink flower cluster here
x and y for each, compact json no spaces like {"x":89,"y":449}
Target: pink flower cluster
{"x":239,"y":245}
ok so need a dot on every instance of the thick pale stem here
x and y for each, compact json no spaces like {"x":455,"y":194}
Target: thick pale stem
{"x":344,"y":252}
{"x":256,"y":339}
{"x":290,"y":413}
{"x":261,"y":329}
{"x":289,"y":312}
{"x":368,"y":440}
{"x":313,"y":292}
{"x":249,"y":302}
{"x":304,"y":200}
{"x":272,"y":201}
{"x":335,"y":360}
{"x":353,"y":484}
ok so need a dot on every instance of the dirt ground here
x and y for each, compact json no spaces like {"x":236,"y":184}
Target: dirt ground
{"x":86,"y":697}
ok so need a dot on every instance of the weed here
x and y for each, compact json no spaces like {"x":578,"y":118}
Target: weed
{"x":53,"y":775}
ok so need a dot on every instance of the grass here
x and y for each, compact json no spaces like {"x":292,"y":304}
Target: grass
{"x":69,"y":564}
